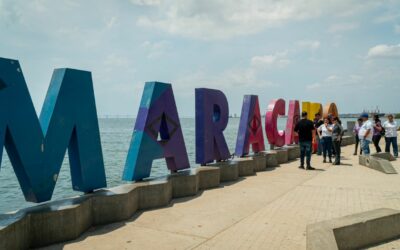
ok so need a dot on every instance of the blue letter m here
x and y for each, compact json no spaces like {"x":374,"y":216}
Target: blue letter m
{"x":36,"y":147}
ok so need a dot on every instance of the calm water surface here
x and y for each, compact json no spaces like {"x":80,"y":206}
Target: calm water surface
{"x":115,"y":135}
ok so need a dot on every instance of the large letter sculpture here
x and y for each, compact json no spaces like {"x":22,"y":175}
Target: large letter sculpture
{"x":157,"y":134}
{"x":275,"y":109}
{"x":312,"y":108}
{"x":306,"y":107}
{"x":293,"y":118}
{"x":331,"y":109}
{"x":250,"y":128}
{"x":212,"y":115}
{"x":36,"y":148}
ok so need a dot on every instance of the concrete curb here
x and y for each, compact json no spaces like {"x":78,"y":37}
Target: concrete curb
{"x":281,"y":155}
{"x":293,"y":152}
{"x":376,"y":163}
{"x":355,"y":231}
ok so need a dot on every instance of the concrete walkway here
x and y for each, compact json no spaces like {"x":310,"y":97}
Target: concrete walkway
{"x":267,"y":211}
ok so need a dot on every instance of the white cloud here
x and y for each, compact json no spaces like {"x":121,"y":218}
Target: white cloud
{"x":397,"y":29}
{"x":335,"y":82}
{"x":155,"y":49}
{"x":218,"y":19}
{"x":112,"y":22}
{"x":278,"y":59}
{"x":146,"y":2}
{"x":113,"y":61}
{"x":341,"y":27}
{"x":387,"y":17}
{"x":384,"y":51}
{"x":309,"y":44}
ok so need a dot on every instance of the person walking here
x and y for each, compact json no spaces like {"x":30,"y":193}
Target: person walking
{"x":377,"y":133}
{"x":325,"y":132}
{"x":356,"y":129}
{"x":391,"y":128}
{"x":317,"y":123}
{"x":365,"y":134}
{"x":337,"y":132}
{"x":304,"y":128}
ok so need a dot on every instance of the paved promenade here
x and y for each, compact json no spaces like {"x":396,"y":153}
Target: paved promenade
{"x":267,"y":211}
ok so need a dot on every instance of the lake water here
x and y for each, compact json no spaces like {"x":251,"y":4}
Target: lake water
{"x":115,"y":135}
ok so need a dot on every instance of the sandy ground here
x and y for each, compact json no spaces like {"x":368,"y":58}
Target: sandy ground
{"x":267,"y":211}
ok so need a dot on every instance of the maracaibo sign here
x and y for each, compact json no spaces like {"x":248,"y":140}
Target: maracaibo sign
{"x":68,"y":120}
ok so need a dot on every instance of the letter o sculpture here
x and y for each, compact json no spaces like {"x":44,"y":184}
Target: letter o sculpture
{"x":331,"y":108}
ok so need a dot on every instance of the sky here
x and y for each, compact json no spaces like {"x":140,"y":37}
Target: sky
{"x":341,"y":51}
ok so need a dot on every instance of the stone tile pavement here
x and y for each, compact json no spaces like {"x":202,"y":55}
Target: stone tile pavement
{"x":266,"y":211}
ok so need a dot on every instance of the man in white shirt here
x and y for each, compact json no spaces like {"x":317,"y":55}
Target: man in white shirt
{"x":365,"y":134}
{"x":391,"y":127}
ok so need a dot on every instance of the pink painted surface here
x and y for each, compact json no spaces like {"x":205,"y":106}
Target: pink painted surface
{"x":293,"y":118}
{"x":275,"y":108}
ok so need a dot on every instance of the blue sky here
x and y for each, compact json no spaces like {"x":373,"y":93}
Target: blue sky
{"x":342,"y":51}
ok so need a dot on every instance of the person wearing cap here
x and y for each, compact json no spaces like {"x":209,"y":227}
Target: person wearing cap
{"x":391,"y":127}
{"x":365,"y":134}
{"x":304,"y":128}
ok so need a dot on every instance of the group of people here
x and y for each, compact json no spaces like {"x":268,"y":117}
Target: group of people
{"x":329,"y":131}
{"x":366,"y":131}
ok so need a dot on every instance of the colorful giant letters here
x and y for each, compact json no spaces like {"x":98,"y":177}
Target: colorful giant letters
{"x":157,"y":116}
{"x":330,"y":109}
{"x":250,"y":128}
{"x":36,"y":147}
{"x":212,"y":115}
{"x":275,"y":109}
{"x":312,"y":109}
{"x":293,"y":118}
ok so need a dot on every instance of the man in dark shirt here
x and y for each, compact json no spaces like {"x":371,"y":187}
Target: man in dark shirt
{"x":305,"y":129}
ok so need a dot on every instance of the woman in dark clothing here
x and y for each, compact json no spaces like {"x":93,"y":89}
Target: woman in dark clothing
{"x":355,"y":132}
{"x":377,"y":133}
{"x":337,"y":132}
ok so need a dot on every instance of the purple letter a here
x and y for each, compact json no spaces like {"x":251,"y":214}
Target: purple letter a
{"x":211,"y":119}
{"x":157,"y":134}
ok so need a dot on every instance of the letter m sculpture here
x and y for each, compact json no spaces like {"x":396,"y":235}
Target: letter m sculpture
{"x":36,"y":147}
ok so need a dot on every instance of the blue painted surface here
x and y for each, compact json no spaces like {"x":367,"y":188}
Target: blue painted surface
{"x":212,"y":113}
{"x":36,"y":147}
{"x":157,"y":134}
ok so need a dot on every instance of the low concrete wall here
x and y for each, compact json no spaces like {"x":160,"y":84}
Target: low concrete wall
{"x":376,"y":163}
{"x":260,"y":162}
{"x":355,"y":231}
{"x":246,"y":165}
{"x":67,"y":219}
{"x":293,"y":152}
{"x":384,"y":155}
{"x":228,"y":170}
{"x":271,"y":159}
{"x":281,"y":155}
{"x":348,"y":140}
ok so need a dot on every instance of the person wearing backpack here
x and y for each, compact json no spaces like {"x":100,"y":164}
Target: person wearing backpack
{"x":378,"y":130}
{"x":391,"y":127}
